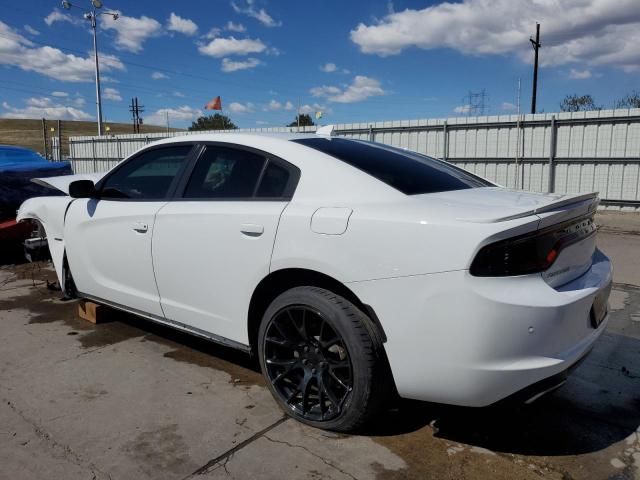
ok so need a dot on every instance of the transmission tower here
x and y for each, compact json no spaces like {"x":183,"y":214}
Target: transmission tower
{"x":477,"y":103}
{"x":136,"y":110}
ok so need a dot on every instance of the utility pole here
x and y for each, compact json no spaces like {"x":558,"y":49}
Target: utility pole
{"x":59,"y":140}
{"x":95,"y":56}
{"x":136,"y":110}
{"x":536,"y":46}
{"x":92,"y":16}
{"x":44,"y":139}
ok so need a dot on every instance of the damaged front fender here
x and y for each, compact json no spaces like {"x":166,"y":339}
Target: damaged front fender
{"x":50,"y":213}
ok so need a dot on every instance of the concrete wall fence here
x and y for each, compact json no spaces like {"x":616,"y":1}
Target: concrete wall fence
{"x":557,"y":152}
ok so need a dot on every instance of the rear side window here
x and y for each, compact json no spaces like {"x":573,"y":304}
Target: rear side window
{"x":225,"y":173}
{"x":408,"y":172}
{"x":147,"y":176}
{"x":274,"y":181}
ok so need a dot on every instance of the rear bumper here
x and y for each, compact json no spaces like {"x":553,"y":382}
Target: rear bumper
{"x":458,"y":339}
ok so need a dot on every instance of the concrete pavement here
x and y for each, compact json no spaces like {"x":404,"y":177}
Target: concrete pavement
{"x":130,"y":399}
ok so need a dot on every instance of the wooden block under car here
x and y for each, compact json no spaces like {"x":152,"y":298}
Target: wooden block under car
{"x":92,"y":312}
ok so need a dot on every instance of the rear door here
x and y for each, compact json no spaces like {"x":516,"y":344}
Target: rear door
{"x":108,"y":239}
{"x":212,"y":244}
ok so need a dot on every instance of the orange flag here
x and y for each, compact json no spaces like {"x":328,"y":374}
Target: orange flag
{"x":215,"y":104}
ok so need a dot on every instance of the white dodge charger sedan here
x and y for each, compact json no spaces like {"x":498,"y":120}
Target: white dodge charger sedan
{"x":353,"y":270}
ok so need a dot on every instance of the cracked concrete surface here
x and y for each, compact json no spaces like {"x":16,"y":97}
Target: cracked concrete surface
{"x":129,"y":399}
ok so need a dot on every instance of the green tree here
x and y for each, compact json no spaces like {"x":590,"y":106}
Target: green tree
{"x":629,"y":101}
{"x":213,"y":122}
{"x":305,"y":121}
{"x":578,"y":103}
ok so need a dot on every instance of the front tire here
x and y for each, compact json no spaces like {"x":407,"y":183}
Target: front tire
{"x":320,"y":362}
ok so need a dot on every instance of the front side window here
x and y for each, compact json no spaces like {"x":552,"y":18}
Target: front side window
{"x":147,"y":176}
{"x":408,"y":172}
{"x":223,"y":172}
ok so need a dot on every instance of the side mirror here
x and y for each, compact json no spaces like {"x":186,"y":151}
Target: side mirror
{"x":82,"y":189}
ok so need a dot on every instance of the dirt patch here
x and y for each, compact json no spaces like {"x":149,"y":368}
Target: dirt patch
{"x":411,"y":432}
{"x":45,"y":306}
{"x":159,"y":450}
{"x":241,"y":367}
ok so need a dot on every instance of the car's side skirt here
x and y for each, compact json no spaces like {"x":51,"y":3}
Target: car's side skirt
{"x":170,"y":323}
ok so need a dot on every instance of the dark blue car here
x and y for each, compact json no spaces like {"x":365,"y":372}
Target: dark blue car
{"x":17,"y":167}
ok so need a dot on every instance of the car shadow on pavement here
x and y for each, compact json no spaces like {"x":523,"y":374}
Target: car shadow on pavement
{"x":597,"y":407}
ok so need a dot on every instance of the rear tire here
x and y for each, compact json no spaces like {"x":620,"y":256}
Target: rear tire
{"x":321,"y":364}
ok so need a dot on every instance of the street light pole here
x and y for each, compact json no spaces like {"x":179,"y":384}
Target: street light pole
{"x":92,"y":16}
{"x":95,"y":55}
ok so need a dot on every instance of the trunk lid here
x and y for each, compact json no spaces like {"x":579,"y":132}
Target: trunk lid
{"x":497,"y":204}
{"x":571,"y":213}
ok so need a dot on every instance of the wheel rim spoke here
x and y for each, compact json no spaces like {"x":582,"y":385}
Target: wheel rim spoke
{"x":307,"y":363}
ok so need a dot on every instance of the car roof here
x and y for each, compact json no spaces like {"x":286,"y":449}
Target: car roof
{"x":238,"y":136}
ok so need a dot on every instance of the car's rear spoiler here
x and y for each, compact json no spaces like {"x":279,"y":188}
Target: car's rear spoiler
{"x":591,"y":200}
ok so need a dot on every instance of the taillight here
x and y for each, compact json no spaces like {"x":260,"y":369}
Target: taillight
{"x":530,"y":253}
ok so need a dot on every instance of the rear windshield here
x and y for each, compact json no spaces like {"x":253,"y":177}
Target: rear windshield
{"x":409,"y":172}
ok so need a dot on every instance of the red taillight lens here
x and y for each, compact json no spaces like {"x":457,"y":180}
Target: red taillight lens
{"x":531,"y":253}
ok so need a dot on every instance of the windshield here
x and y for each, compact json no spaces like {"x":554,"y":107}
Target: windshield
{"x":409,"y":172}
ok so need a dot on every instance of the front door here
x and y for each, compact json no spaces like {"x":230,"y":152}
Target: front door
{"x":108,"y":239}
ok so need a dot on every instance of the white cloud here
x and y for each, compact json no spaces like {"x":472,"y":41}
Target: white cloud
{"x":236,"y":107}
{"x":131,"y":32}
{"x":58,"y":16}
{"x":360,"y":89}
{"x":178,"y":94}
{"x":181,"y":25}
{"x":329,"y":67}
{"x":316,"y":107}
{"x":274,"y":106}
{"x":261,"y":15}
{"x":111,"y":94}
{"x":464,"y":109}
{"x":40,"y":102}
{"x":159,"y":76}
{"x":593,"y":32}
{"x":30,"y":30}
{"x":213,"y":33}
{"x":580,"y":74}
{"x":44,"y":108}
{"x":79,"y":101}
{"x":180,"y":115}
{"x":235,"y":27}
{"x":223,"y":47}
{"x":229,"y":65}
{"x":508,"y":106}
{"x":59,"y":94}
{"x":17,"y":51}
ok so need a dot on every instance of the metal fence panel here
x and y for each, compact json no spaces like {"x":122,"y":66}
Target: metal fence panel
{"x":582,"y":151}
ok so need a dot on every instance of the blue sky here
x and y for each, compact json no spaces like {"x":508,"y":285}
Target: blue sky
{"x":353,"y":60}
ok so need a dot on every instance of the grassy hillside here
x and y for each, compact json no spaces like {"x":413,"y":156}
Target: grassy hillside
{"x":28,"y":133}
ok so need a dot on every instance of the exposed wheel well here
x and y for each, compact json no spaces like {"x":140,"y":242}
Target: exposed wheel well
{"x":282,"y":280}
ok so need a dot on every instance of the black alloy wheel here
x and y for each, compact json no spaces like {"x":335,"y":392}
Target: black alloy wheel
{"x":308,"y":363}
{"x":320,"y":361}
